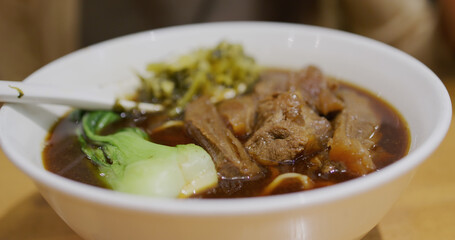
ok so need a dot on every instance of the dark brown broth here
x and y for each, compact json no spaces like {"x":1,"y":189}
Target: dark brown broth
{"x":62,"y":154}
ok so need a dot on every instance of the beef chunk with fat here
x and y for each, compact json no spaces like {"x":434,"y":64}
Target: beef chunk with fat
{"x":239,"y":114}
{"x":354,"y":134}
{"x":317,"y":90}
{"x":205,"y":126}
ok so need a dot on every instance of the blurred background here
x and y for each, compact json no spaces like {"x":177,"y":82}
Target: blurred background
{"x":35,"y":32}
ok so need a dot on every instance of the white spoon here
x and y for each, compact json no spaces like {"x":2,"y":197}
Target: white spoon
{"x":21,"y":92}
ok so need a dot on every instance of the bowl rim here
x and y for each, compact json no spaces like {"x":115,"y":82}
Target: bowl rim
{"x":241,"y":206}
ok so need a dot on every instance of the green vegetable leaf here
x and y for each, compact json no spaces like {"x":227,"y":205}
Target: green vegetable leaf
{"x":128,"y":162}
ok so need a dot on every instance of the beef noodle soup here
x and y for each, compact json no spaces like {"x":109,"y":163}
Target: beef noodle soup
{"x":290,"y":131}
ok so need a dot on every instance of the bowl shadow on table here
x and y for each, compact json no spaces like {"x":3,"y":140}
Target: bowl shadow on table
{"x":33,"y":218}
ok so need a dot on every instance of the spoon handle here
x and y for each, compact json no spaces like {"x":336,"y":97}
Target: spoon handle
{"x":20,"y":92}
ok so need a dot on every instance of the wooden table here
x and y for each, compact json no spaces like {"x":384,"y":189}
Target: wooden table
{"x":426,"y":210}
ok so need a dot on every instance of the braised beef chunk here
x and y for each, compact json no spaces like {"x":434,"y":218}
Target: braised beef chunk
{"x":355,"y":134}
{"x":206,"y":127}
{"x":239,"y":113}
{"x":286,"y":128}
{"x":273,"y":81}
{"x":317,"y":90}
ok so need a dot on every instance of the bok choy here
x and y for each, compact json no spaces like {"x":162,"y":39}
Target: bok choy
{"x":129,"y":163}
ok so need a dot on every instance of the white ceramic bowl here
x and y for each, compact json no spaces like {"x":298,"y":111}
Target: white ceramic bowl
{"x":344,"y":211}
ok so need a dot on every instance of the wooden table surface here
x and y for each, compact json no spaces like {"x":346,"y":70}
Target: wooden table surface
{"x":426,"y":210}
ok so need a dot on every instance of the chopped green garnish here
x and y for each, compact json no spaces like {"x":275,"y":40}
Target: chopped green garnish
{"x":220,"y":73}
{"x":20,"y":92}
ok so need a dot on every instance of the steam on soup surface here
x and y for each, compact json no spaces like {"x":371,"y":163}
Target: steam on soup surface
{"x":264,"y":131}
